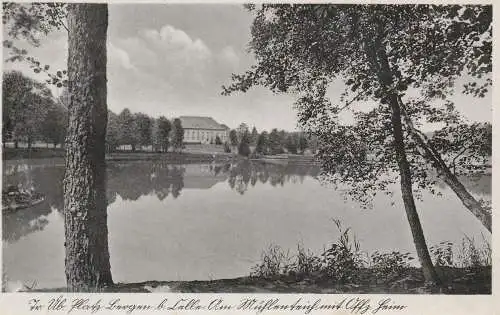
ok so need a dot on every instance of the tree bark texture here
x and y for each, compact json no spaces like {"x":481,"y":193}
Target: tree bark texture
{"x":86,"y":231}
{"x":386,"y":80}
{"x":444,"y":172}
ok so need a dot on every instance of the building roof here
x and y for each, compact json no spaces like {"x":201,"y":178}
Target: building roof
{"x":198,"y":122}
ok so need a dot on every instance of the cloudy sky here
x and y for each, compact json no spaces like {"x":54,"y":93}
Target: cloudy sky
{"x":172,"y":60}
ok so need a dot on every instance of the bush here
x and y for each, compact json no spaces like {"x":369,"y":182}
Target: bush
{"x":306,"y":263}
{"x":340,"y":264}
{"x":227,"y":148}
{"x":472,"y":256}
{"x":218,"y":141}
{"x":442,"y":254}
{"x":342,"y":261}
{"x":274,"y":262}
{"x":388,"y":267}
{"x":244,"y":149}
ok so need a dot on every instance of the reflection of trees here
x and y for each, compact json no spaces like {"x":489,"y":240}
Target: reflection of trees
{"x":133,"y":180}
{"x":477,"y":184}
{"x":245,"y":172}
{"x":21,"y":223}
{"x":45,"y":180}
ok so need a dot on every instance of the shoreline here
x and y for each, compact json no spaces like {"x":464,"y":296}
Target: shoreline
{"x":455,"y":281}
{"x":11,"y":154}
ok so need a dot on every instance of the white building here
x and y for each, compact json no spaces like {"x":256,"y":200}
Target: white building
{"x":203,"y":130}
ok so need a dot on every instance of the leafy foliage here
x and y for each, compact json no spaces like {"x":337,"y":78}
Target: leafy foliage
{"x":233,"y":137}
{"x":54,"y":125}
{"x":262,"y":143}
{"x":274,"y":262}
{"x":144,"y":125}
{"x":342,"y":259}
{"x":26,"y":104}
{"x":218,"y":141}
{"x":244,"y":146}
{"x":112,"y":132}
{"x":465,"y":147}
{"x":177,"y":134}
{"x":127,"y":129}
{"x":164,"y":128}
{"x":30,"y":22}
{"x":390,"y":266}
{"x":303,"y":49}
{"x":275,"y":143}
{"x":442,"y":254}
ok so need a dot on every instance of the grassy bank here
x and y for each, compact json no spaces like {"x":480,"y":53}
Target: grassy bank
{"x":184,"y":157}
{"x":343,"y":268}
{"x":191,"y":154}
{"x":455,"y":281}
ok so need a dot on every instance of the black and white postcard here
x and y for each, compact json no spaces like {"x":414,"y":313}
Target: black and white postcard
{"x":247,"y":158}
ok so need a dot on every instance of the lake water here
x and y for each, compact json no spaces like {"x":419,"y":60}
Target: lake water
{"x":207,"y":221}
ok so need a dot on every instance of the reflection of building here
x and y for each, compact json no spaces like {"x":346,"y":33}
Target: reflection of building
{"x":203,"y":129}
{"x":202,"y":176}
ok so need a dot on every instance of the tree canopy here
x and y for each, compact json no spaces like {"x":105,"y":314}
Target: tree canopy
{"x":303,"y":49}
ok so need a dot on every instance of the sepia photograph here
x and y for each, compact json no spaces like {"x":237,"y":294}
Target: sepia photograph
{"x":328,"y":148}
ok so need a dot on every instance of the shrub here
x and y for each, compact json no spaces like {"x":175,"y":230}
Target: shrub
{"x":390,"y":266}
{"x":227,"y":148}
{"x":442,"y":254}
{"x":274,"y":262}
{"x":218,"y":140}
{"x":306,"y":263}
{"x":470,"y":255}
{"x":342,"y":261}
{"x":244,"y":149}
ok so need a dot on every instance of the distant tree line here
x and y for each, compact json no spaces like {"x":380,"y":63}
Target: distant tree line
{"x":31,"y":113}
{"x":270,"y":143}
{"x":138,"y":130}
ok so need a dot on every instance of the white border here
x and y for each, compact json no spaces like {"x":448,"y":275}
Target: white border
{"x":17,"y":303}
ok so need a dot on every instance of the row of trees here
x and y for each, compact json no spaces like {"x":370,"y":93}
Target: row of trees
{"x":31,"y":113}
{"x":139,"y":130}
{"x":274,"y":142}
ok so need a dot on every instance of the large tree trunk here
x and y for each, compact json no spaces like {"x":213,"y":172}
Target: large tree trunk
{"x":87,"y":255}
{"x":386,"y":80}
{"x":444,"y":172}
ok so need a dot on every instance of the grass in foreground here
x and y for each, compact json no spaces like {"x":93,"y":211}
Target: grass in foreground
{"x":343,"y":268}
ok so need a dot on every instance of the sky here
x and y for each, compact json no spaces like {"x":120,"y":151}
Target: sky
{"x":172,"y":59}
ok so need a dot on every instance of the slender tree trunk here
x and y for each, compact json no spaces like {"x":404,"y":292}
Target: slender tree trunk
{"x":444,"y":172}
{"x":386,"y":80}
{"x":87,"y":254}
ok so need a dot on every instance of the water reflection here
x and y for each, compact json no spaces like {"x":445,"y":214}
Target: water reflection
{"x":46,"y":180}
{"x":133,"y":180}
{"x":247,"y":172}
{"x":217,"y":218}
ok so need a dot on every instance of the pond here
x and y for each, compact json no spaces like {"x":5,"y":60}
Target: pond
{"x":208,"y":221}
